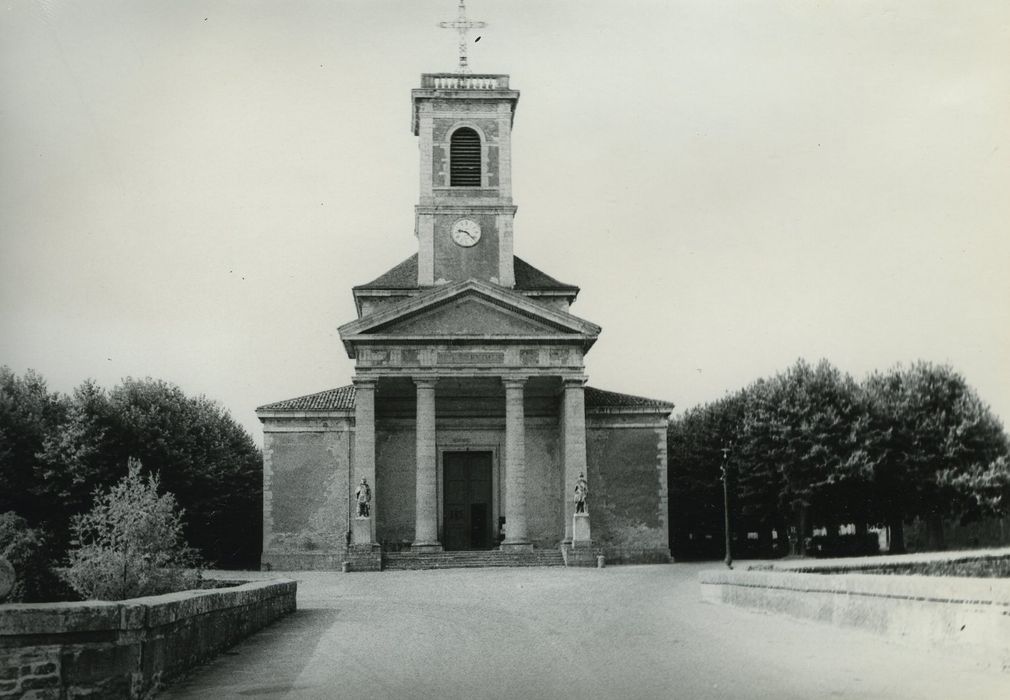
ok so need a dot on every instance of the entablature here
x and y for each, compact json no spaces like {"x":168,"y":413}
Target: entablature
{"x":485,"y":358}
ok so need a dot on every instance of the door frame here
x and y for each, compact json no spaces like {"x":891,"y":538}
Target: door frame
{"x":495,"y":483}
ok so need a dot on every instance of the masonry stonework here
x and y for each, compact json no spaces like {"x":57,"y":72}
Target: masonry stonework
{"x":127,"y":649}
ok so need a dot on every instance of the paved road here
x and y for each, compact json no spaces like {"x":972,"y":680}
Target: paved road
{"x":621,"y":632}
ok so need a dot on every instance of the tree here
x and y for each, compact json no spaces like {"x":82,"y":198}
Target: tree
{"x":206,"y":459}
{"x":796,"y":445}
{"x":934,"y":449}
{"x":203,"y":456}
{"x":130,"y":543}
{"x":694,"y":453}
{"x":28,"y":413}
{"x":75,"y":459}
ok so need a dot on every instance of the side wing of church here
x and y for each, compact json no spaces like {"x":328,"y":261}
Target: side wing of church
{"x":469,"y":424}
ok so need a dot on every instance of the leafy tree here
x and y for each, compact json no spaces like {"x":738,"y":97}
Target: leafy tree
{"x":206,"y":459}
{"x":811,"y":444}
{"x":28,"y":413}
{"x":694,"y":453}
{"x":796,"y":445}
{"x":75,"y":459}
{"x":131,"y":544}
{"x":56,"y":450}
{"x":934,"y":449}
{"x":985,"y":486}
{"x":759,"y":481}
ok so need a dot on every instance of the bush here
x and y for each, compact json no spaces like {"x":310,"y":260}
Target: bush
{"x":130,"y":544}
{"x":27,"y":549}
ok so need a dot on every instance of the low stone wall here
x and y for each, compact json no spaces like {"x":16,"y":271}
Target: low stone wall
{"x":127,"y":649}
{"x":303,"y":561}
{"x":967,"y":616}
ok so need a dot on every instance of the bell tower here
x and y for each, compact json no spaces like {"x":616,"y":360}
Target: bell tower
{"x":463,"y":220}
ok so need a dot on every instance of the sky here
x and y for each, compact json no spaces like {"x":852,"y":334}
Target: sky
{"x":188,"y":190}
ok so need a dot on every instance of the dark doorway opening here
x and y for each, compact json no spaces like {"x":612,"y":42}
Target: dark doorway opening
{"x":466,"y":507}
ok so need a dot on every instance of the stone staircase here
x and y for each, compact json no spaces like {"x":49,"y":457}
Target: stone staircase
{"x":403,"y":561}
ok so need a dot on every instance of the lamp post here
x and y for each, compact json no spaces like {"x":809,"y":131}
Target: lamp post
{"x":725,"y":502}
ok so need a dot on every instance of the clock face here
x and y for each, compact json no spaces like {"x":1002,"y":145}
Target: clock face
{"x":465,"y":232}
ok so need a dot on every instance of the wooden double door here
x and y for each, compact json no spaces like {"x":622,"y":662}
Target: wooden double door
{"x":466,"y":506}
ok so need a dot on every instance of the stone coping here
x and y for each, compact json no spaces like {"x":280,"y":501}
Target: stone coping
{"x":946,"y":589}
{"x":881,"y":561}
{"x":135,"y":613}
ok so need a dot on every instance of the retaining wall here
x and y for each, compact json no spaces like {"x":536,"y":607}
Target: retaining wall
{"x":127,"y":649}
{"x":965,"y":615}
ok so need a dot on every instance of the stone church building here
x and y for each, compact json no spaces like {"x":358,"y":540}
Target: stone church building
{"x":469,"y":416}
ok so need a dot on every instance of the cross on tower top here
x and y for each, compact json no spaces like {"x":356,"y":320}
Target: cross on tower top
{"x":462,"y":26}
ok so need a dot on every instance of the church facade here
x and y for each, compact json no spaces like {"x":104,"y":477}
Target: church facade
{"x":469,"y":418}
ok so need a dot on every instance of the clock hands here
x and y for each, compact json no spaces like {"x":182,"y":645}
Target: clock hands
{"x":465,"y":233}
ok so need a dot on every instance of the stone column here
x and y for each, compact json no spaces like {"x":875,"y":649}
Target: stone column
{"x":574,"y":442}
{"x":426,"y":494}
{"x":515,"y":465}
{"x":364,"y":453}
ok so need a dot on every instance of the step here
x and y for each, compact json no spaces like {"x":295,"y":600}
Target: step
{"x":469,"y":559}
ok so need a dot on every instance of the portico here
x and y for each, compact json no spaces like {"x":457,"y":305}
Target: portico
{"x":479,"y":414}
{"x":464,"y":357}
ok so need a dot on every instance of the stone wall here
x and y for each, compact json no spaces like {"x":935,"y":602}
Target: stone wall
{"x":130,"y":648}
{"x":306,"y":477}
{"x":627,"y":490}
{"x":963,"y":615}
{"x":544,"y":501}
{"x":395,"y":483}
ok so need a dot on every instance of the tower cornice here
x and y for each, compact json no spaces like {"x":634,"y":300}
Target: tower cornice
{"x":449,"y":86}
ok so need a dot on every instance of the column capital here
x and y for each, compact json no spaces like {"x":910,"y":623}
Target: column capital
{"x":511,"y":382}
{"x":365,"y":382}
{"x":425,"y":382}
{"x":574,"y":382}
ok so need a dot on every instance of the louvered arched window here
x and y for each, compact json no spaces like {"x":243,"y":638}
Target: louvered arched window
{"x":464,"y":158}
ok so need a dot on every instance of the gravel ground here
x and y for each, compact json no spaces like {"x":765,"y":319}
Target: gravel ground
{"x":620,"y":632}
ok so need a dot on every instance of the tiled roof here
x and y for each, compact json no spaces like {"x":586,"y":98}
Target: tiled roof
{"x":404,"y":276}
{"x":598,"y":398}
{"x":529,"y":277}
{"x":342,"y":399}
{"x":339,"y":399}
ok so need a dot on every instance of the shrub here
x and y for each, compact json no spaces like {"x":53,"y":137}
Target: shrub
{"x":130,"y":544}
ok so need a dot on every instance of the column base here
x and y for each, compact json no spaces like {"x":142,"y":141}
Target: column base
{"x":515,"y":546}
{"x":426,"y":547}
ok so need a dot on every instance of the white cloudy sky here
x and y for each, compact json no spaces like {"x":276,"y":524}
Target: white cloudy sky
{"x":188,"y":190}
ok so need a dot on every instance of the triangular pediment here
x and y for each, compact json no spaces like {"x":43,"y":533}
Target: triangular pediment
{"x":468,"y":315}
{"x":470,"y":309}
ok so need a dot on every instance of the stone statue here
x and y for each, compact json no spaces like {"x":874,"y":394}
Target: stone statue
{"x":363,"y":494}
{"x":581,"y":491}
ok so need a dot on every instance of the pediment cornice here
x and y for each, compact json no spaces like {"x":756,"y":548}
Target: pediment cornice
{"x":548,"y":322}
